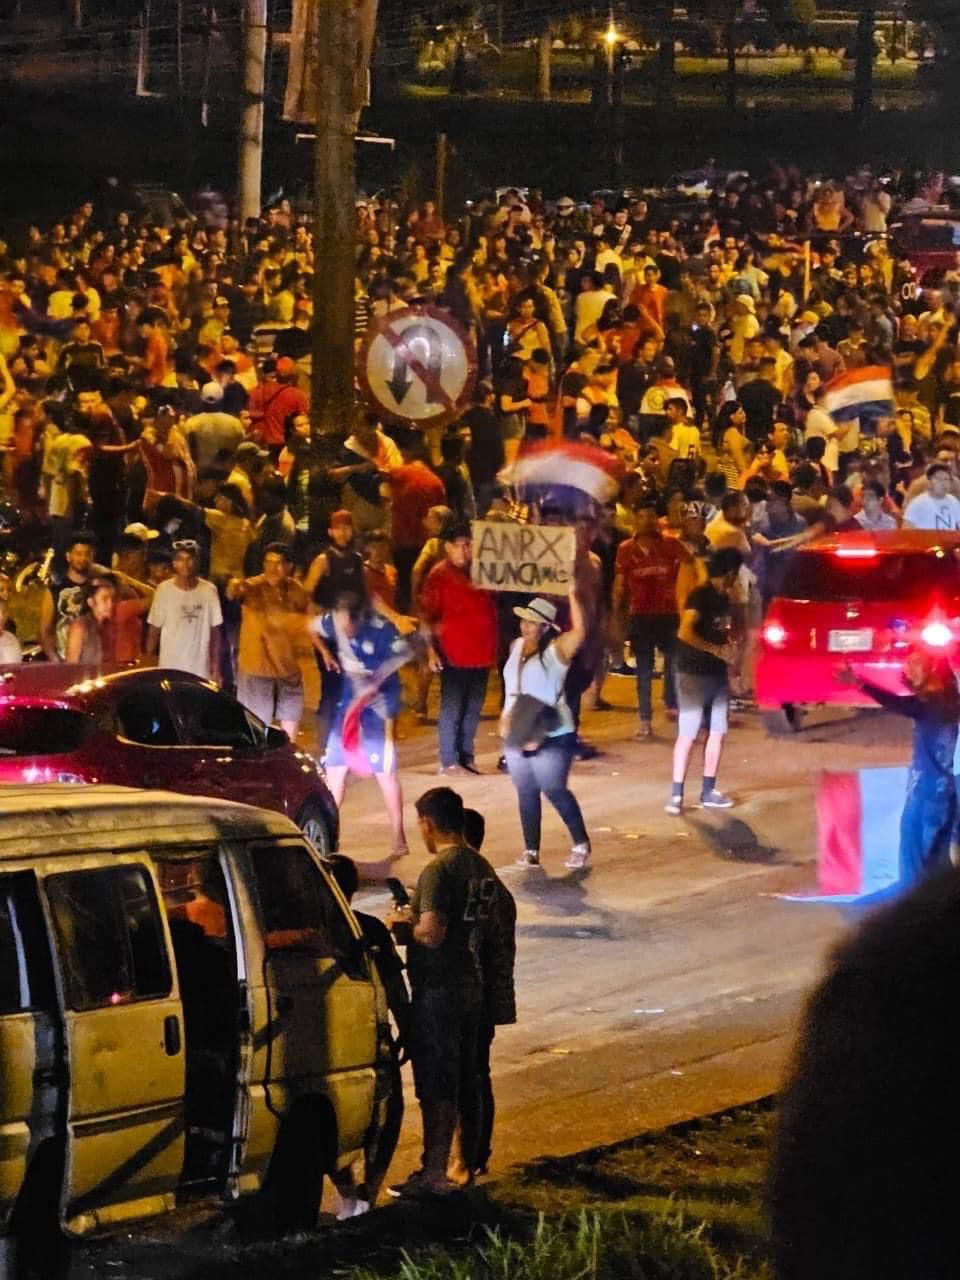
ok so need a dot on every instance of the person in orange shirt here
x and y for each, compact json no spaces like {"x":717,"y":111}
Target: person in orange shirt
{"x":536,"y":373}
{"x":156,"y":354}
{"x":651,"y":298}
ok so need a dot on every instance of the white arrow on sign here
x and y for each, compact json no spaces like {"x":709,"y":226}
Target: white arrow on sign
{"x":418,"y":365}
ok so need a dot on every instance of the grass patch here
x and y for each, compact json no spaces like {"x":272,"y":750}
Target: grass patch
{"x":683,"y":1204}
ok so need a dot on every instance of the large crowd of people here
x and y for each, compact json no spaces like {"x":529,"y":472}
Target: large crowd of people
{"x":156,"y":434}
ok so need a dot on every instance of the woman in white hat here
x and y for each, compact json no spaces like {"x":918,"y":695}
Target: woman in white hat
{"x":537,"y":725}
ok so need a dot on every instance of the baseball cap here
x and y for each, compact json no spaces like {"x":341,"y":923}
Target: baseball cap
{"x":285,"y":366}
{"x":565,"y":205}
{"x":250,"y":448}
{"x":211,"y":393}
{"x":140,"y":531}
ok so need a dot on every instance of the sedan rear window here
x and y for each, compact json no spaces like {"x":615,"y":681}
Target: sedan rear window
{"x":824,"y":576}
{"x":41,"y":731}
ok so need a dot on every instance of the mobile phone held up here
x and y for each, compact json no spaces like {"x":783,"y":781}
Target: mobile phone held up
{"x":397,"y":892}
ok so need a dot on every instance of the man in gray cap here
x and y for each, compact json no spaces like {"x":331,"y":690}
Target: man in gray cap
{"x":213,"y":436}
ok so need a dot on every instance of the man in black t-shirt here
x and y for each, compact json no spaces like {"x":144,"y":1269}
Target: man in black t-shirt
{"x":703,"y":654}
{"x":444,"y":931}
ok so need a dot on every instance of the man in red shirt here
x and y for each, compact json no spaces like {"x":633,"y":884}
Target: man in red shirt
{"x":414,"y":489}
{"x":459,"y":623}
{"x":273,"y":401}
{"x":645,"y":589}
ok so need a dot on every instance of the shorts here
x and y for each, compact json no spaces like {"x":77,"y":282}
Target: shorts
{"x":702,"y":698}
{"x":444,"y":1041}
{"x":377,"y":743}
{"x":271,"y":698}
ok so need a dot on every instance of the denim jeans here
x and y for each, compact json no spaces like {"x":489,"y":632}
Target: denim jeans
{"x":462,"y":691}
{"x":544,"y":773}
{"x":647,"y":633}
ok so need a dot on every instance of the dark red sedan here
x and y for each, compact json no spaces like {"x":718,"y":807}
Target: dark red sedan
{"x":159,"y":729}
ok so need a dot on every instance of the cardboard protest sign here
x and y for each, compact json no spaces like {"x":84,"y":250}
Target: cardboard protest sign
{"x":523,"y":557}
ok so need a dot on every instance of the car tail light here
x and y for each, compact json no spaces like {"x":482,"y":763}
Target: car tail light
{"x":937,"y":635}
{"x":775,"y":635}
{"x":856,"y":553}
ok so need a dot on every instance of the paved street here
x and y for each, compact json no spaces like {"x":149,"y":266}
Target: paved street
{"x":666,"y":982}
{"x":662,"y":985}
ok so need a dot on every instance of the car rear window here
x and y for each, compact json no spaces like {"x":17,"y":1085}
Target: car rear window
{"x":932,"y":234}
{"x":41,"y":731}
{"x":824,"y":576}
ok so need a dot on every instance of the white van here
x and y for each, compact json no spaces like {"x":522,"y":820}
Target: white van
{"x":186,"y":1009}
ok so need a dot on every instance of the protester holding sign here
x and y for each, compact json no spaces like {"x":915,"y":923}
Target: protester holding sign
{"x":459,"y":623}
{"x":537,"y":725}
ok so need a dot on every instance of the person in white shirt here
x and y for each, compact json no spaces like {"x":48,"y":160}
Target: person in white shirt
{"x":936,"y":509}
{"x":10,"y":650}
{"x":185,"y":618}
{"x":872,"y":516}
{"x":685,"y":437}
{"x":589,"y":304}
{"x":534,"y":674}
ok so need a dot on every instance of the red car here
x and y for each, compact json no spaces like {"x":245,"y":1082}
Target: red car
{"x":866,"y":599}
{"x":160,"y":729}
{"x":930,"y":238}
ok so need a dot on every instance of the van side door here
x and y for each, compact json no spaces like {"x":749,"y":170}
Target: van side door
{"x":312,"y":997}
{"x":30,"y":1066}
{"x":123,"y":1039}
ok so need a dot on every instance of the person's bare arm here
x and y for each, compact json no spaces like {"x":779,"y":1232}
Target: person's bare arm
{"x":75,"y":641}
{"x":152,"y":643}
{"x":215,"y":654}
{"x":48,"y":622}
{"x":568,"y":644}
{"x":319,"y":568}
{"x":687,"y":632}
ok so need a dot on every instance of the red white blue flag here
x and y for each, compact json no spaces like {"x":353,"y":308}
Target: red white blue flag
{"x":866,"y":392}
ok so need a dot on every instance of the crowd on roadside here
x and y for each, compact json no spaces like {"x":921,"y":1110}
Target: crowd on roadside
{"x":155,"y":426}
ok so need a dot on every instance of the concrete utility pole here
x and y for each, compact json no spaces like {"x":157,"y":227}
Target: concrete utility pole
{"x":251,"y":119}
{"x":335,"y":55}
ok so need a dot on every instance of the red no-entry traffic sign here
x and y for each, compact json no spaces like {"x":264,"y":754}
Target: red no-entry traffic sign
{"x":418,"y":365}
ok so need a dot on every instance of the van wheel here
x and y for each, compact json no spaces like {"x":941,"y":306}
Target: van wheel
{"x":788,"y":719}
{"x":40,"y":1249}
{"x":304,"y":1152}
{"x":315,"y":826}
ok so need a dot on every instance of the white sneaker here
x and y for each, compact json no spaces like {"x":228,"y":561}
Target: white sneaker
{"x":674,"y":807}
{"x":579,"y":857}
{"x":350,"y":1207}
{"x":529,"y":858}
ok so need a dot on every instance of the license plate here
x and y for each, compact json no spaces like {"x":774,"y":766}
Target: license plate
{"x":858,"y":641}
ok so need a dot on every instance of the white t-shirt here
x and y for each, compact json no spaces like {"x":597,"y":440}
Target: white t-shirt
{"x":543,"y":680}
{"x":927,"y":512}
{"x":185,"y":619}
{"x":10,"y":650}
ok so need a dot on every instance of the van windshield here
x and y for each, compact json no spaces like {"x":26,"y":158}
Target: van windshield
{"x":41,"y":731}
{"x":823,"y":576}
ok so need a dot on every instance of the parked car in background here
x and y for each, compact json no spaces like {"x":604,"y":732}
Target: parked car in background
{"x":157,"y":729}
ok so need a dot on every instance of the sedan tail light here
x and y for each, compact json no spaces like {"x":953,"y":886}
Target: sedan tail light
{"x":937,"y":635}
{"x":775,"y":635}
